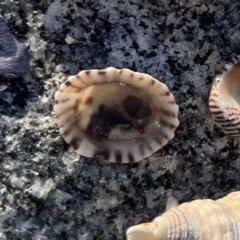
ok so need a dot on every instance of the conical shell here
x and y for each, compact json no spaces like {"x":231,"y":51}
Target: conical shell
{"x":224,"y":99}
{"x":115,"y":114}
{"x":200,"y":219}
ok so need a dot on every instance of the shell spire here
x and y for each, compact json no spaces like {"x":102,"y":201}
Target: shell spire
{"x":115,"y":114}
{"x":224,"y":99}
{"x":200,"y":219}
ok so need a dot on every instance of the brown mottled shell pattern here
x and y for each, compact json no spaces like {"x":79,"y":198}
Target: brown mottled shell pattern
{"x":115,"y":114}
{"x":224,"y":99}
{"x":197,"y":220}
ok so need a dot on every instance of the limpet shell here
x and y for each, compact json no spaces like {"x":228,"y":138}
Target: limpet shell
{"x":224,"y":99}
{"x":200,"y":219}
{"x":115,"y":114}
{"x":14,"y":56}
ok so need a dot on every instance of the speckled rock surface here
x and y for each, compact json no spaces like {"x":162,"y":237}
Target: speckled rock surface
{"x":47,"y":191}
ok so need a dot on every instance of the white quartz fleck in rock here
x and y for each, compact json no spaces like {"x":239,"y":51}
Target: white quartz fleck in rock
{"x":41,"y":189}
{"x":106,"y":203}
{"x":70,"y":40}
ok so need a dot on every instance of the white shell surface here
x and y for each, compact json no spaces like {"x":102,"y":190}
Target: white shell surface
{"x":115,"y":114}
{"x":200,"y":219}
{"x":224,"y":99}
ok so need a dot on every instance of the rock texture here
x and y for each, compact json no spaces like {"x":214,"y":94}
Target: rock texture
{"x":49,"y":192}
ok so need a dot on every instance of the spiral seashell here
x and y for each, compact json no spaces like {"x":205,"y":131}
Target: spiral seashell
{"x":115,"y":114}
{"x":224,"y":99}
{"x":14,"y":56}
{"x":200,"y":219}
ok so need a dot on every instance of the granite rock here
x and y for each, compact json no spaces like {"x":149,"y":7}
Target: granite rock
{"x":49,"y":192}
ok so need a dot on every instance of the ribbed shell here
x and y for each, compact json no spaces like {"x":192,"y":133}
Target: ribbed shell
{"x":115,"y":114}
{"x":197,"y":220}
{"x":224,"y":99}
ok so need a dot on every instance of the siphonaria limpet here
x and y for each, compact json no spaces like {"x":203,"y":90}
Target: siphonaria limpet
{"x":115,"y":114}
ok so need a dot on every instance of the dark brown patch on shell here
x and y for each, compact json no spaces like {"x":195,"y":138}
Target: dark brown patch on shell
{"x":101,"y":72}
{"x":219,"y":117}
{"x":67,"y":132}
{"x":223,"y":120}
{"x":68,"y":83}
{"x":218,"y":112}
{"x":75,"y":142}
{"x":149,"y":147}
{"x":57,"y":102}
{"x":136,"y":108}
{"x":118,"y":156}
{"x":89,"y":100}
{"x":130,"y":158}
{"x":152,"y":82}
{"x":87,"y":72}
{"x":171,"y":126}
{"x":102,"y":153}
{"x":132,"y":114}
{"x":167,"y":93}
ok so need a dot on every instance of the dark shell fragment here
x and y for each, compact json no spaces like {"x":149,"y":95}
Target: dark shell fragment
{"x":14,"y":56}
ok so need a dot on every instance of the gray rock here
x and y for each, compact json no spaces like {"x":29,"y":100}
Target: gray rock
{"x":47,"y":192}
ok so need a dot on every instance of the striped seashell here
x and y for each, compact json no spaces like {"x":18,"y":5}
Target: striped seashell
{"x":115,"y":114}
{"x":224,"y":99}
{"x":200,"y":219}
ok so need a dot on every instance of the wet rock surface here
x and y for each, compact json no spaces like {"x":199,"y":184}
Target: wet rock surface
{"x":49,"y":192}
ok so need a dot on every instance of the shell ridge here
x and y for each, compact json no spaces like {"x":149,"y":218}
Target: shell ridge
{"x":201,"y":219}
{"x":188,"y":230}
{"x":233,"y":216}
{"x":224,"y":100}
